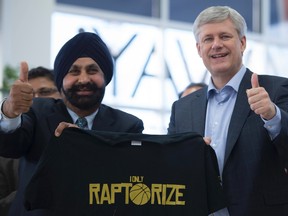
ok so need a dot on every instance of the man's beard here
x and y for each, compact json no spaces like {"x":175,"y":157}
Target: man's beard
{"x":85,"y":102}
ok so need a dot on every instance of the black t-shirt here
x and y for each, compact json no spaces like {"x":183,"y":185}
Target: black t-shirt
{"x":122,"y":174}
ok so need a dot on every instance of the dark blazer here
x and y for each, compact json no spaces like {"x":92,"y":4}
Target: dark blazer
{"x":38,"y":126}
{"x":8,"y":183}
{"x":254,"y":178}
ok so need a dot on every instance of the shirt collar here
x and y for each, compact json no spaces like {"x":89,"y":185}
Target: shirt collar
{"x":89,"y":118}
{"x":234,"y":82}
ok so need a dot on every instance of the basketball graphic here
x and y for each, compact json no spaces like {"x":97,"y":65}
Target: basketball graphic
{"x":140,"y":194}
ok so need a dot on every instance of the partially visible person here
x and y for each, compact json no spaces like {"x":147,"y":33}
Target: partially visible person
{"x":42,"y":81}
{"x":83,"y":68}
{"x":242,"y":115}
{"x":192,"y":87}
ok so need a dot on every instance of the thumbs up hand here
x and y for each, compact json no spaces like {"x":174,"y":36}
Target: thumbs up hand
{"x":20,"y":96}
{"x":259,"y":100}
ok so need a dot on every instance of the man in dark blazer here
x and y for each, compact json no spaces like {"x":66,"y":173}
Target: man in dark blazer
{"x":244,"y":117}
{"x":83,"y":68}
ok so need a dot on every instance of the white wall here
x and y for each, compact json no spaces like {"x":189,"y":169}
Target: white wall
{"x":25,"y":32}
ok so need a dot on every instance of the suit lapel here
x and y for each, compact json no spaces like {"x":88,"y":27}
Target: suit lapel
{"x":189,"y":113}
{"x":102,"y":120}
{"x":200,"y":107}
{"x":239,"y":115}
{"x":59,"y":114}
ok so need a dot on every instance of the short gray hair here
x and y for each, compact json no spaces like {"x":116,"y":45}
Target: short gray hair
{"x":216,"y":14}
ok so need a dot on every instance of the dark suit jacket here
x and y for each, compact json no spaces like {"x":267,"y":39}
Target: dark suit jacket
{"x":8,"y":183}
{"x":254,"y":178}
{"x":38,"y":126}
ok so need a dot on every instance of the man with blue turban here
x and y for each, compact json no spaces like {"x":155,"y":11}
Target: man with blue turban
{"x":83,"y":68}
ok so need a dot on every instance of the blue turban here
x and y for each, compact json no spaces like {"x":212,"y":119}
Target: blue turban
{"x":84,"y":44}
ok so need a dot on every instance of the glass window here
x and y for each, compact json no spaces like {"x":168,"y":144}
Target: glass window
{"x":278,"y":29}
{"x":138,"y":7}
{"x":187,"y":10}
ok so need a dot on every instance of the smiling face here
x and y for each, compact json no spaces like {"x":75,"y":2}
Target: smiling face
{"x":221,"y":50}
{"x":83,"y":86}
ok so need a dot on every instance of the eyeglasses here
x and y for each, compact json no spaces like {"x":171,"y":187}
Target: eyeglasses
{"x":44,"y":92}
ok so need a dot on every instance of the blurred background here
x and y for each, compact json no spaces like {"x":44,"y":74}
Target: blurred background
{"x":151,"y":41}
